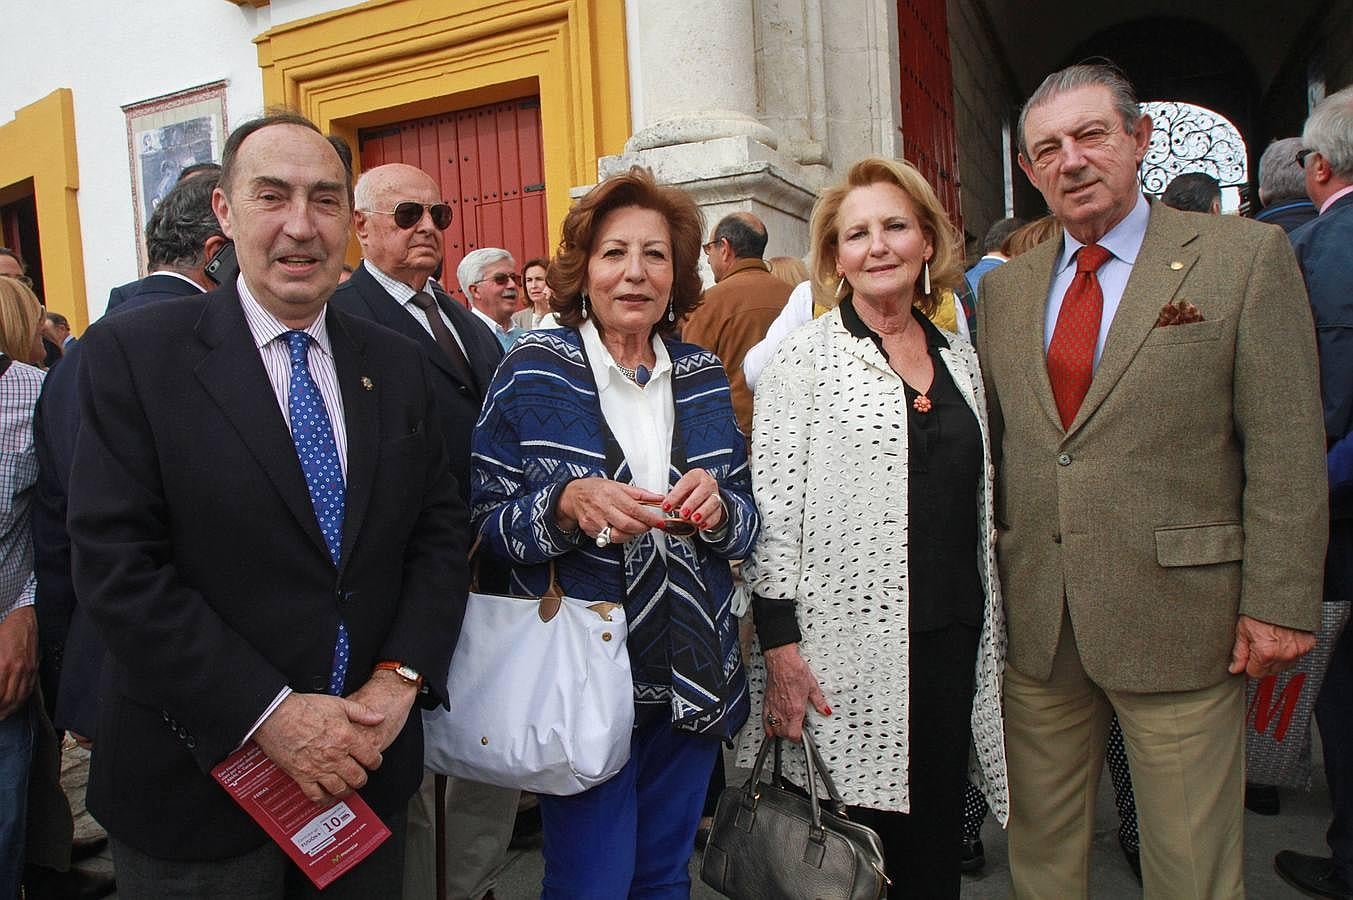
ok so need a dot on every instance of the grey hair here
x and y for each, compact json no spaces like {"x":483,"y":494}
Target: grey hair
{"x":182,"y":223}
{"x":363,"y":192}
{"x":471,"y":268}
{"x":1280,"y":175}
{"x":1104,"y":75}
{"x":1329,"y":131}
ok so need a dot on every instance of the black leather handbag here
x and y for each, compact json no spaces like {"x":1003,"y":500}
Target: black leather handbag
{"x":770,"y":841}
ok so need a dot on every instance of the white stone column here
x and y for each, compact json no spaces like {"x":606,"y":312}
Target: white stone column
{"x":696,"y":61}
{"x":695,"y":92}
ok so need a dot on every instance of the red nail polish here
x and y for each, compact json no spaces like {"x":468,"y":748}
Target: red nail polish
{"x":695,"y":518}
{"x":685,"y":513}
{"x":829,"y":710}
{"x":667,"y":507}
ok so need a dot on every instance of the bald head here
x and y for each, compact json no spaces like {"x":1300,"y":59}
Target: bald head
{"x":409,"y":255}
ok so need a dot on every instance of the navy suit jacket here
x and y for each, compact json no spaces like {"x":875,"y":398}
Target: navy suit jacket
{"x":458,"y":402}
{"x":1324,"y":248}
{"x":120,"y":294}
{"x":72,"y":653}
{"x":197,"y":552}
{"x":1289,"y":215}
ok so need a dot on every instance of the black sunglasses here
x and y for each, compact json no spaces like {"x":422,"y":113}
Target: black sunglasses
{"x":1302,"y":154}
{"x":408,"y":214}
{"x":502,"y":278}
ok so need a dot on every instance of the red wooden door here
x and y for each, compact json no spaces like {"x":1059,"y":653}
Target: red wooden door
{"x":19,"y":232}
{"x":488,"y":163}
{"x":928,"y":138}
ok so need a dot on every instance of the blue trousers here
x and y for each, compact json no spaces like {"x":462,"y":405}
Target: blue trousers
{"x":16,"y":757}
{"x":631,"y":837}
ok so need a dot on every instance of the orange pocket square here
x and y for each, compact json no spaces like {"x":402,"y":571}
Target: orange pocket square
{"x":1181,"y":312}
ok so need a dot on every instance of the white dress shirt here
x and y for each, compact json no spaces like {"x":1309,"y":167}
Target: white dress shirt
{"x":272,"y":347}
{"x":641,"y":418}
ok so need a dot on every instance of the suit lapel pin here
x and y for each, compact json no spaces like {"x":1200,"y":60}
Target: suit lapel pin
{"x":1176,"y":265}
{"x":368,"y":384}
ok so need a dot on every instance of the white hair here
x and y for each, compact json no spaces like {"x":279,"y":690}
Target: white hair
{"x":1329,"y":130}
{"x":471,"y":268}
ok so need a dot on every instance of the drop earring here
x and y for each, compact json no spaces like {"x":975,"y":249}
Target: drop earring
{"x":583,"y":298}
{"x":671,"y":310}
{"x":927,"y":278}
{"x":840,"y":286}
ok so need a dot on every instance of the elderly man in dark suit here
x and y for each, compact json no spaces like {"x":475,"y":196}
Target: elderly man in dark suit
{"x":182,"y":234}
{"x":394,"y":286}
{"x":269,"y":539}
{"x":1160,"y":496}
{"x":1282,"y":187}
{"x":124,"y":292}
{"x":399,"y":218}
{"x":1324,"y":248}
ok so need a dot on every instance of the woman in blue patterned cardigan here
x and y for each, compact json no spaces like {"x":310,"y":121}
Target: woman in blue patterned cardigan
{"x":611,"y":450}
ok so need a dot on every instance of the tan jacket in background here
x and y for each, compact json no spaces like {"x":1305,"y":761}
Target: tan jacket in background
{"x":733,"y":318}
{"x":1190,"y":488}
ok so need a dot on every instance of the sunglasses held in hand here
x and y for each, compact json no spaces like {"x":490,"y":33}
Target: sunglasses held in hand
{"x":408,"y":214}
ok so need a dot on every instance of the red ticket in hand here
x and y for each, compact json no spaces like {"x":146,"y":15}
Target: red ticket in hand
{"x":324,"y":840}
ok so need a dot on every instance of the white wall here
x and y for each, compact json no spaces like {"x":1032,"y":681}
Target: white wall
{"x":112,"y":54}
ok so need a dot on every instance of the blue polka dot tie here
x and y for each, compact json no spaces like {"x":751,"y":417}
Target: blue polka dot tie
{"x":314,"y":439}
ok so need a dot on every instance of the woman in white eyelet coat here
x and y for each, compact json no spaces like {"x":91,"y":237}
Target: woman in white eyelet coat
{"x":830,"y":477}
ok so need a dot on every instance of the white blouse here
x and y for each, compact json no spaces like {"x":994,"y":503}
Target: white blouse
{"x":641,"y":418}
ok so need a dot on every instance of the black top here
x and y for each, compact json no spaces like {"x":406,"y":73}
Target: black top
{"x":944,"y":469}
{"x":944,"y":472}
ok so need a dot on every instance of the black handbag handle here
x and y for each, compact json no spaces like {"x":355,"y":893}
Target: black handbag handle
{"x":816,"y":768}
{"x":820,"y":767}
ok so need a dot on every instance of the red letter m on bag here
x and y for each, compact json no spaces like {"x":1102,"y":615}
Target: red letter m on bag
{"x":1266,"y":708}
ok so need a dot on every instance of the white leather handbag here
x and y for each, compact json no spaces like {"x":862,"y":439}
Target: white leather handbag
{"x":541,"y":696}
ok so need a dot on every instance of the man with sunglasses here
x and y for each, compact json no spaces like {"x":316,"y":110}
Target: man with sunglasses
{"x":1324,"y":248}
{"x":492,"y":284}
{"x":399,"y":219}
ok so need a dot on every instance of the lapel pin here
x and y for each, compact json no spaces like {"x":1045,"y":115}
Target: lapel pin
{"x":368,"y":384}
{"x":1176,"y":265}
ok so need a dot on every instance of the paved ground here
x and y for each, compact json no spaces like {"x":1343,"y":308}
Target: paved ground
{"x":1300,"y":827}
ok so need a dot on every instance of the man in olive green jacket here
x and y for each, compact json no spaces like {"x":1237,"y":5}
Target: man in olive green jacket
{"x":1160,"y":500}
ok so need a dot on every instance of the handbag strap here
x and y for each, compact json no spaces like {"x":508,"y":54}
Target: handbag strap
{"x":816,"y":767}
{"x":550,"y":601}
{"x":811,"y":760}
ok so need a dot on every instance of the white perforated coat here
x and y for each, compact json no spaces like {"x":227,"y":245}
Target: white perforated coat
{"x":829,"y":467}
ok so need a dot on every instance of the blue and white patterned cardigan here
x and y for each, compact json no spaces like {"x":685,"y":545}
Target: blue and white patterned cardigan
{"x":540,"y":428}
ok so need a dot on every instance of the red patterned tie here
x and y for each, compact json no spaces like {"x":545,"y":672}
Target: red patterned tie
{"x":1071,"y":353}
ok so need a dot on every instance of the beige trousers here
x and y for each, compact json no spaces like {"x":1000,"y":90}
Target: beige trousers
{"x":1186,"y":753}
{"x":479,"y":820}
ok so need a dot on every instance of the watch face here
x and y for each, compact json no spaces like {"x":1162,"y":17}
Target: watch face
{"x":407,"y":673}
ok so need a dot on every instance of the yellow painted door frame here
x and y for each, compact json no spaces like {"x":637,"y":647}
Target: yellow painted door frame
{"x":39,"y":144}
{"x":389,"y":60}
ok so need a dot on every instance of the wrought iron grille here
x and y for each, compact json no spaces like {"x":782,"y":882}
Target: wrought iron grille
{"x":1188,"y":138}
